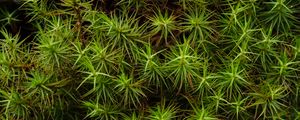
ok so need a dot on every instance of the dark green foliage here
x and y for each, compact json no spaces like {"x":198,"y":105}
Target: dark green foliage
{"x":150,"y":60}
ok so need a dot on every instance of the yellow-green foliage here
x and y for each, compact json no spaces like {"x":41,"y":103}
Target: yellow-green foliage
{"x":149,"y":59}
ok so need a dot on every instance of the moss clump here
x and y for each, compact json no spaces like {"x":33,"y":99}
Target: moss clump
{"x":149,"y":59}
